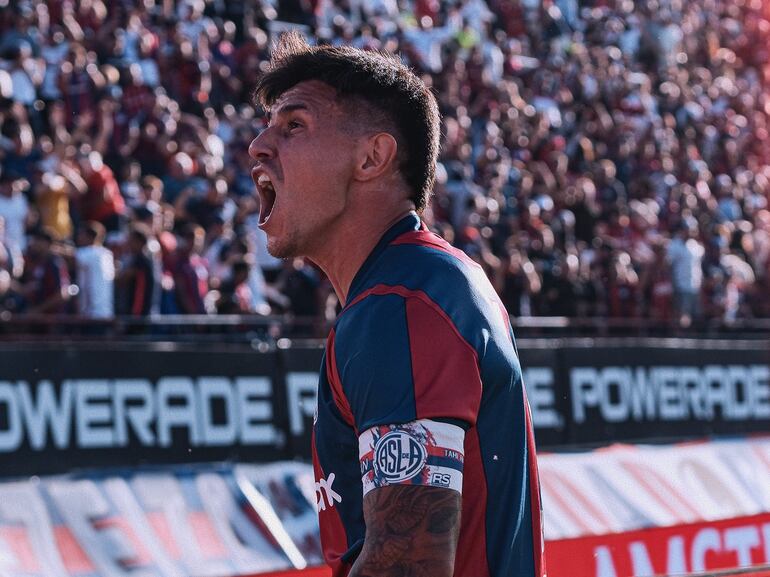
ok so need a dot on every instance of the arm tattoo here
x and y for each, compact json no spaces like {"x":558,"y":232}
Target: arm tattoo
{"x":411,"y":531}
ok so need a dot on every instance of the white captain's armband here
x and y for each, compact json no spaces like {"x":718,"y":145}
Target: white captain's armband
{"x":422,"y":452}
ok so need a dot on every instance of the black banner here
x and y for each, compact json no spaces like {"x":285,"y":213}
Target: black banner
{"x":301,"y":366}
{"x":83,"y":407}
{"x":547,"y":398}
{"x":689,"y":389}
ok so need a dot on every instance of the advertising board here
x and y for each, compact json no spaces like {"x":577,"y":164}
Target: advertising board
{"x":81,"y":406}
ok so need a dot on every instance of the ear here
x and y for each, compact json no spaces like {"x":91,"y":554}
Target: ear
{"x":377,"y":155}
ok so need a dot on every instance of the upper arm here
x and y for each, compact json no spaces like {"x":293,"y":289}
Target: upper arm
{"x":411,"y":385}
{"x":412,"y":483}
{"x":411,"y":531}
{"x":401,"y":359}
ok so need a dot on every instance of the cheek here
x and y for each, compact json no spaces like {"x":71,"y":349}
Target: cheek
{"x":321,"y":166}
{"x":342,"y":160}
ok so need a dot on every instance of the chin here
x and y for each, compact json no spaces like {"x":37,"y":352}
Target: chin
{"x":279,"y":253}
{"x":280,"y":248}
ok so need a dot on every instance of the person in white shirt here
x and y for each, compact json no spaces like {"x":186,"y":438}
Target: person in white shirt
{"x":428,"y":40}
{"x":95,"y":273}
{"x":26,"y":73}
{"x":14,"y":211}
{"x":53,"y":52}
{"x":685,"y":254}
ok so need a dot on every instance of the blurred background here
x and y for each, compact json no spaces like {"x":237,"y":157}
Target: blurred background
{"x":607,"y":163}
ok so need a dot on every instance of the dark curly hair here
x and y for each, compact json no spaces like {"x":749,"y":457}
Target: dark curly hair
{"x":381,"y":90}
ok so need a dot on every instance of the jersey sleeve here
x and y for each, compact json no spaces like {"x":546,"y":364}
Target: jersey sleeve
{"x":399,"y":358}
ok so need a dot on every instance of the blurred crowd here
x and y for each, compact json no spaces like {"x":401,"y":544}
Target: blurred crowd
{"x":604,"y":158}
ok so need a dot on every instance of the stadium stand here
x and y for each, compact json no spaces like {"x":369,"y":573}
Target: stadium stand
{"x":607,"y":162}
{"x":601,"y":158}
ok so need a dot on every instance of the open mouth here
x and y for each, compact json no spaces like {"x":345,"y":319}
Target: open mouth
{"x":266,"y":197}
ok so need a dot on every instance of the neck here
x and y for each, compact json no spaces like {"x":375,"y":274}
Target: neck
{"x":345,"y":253}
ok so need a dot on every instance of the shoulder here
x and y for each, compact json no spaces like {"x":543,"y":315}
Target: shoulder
{"x":422,"y":262}
{"x":410,"y":342}
{"x":422,"y":266}
{"x":422,"y":285}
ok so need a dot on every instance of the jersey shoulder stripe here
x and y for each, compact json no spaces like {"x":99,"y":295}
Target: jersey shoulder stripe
{"x":438,"y":365}
{"x":428,"y":239}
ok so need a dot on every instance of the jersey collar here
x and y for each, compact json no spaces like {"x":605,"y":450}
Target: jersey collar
{"x":410,"y":223}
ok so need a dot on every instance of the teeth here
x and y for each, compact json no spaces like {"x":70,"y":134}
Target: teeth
{"x":264,"y":181}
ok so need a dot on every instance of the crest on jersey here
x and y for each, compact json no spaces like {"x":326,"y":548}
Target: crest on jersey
{"x":398,"y":456}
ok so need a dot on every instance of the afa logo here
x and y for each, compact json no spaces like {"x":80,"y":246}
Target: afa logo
{"x":398,"y":456}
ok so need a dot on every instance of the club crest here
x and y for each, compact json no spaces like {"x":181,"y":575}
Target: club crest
{"x":398,"y":456}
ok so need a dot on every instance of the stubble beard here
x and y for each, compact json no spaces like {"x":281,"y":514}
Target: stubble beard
{"x":284,"y":248}
{"x":280,"y":251}
{"x":304,"y":239}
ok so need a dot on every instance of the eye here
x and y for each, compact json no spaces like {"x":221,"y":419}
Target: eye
{"x":293,"y":124}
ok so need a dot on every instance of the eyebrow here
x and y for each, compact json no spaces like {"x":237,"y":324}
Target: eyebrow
{"x":286,"y":109}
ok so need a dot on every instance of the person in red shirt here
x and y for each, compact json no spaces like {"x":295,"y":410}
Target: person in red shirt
{"x":101,"y":201}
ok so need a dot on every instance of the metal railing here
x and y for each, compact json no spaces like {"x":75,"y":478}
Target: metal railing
{"x":270,"y":329}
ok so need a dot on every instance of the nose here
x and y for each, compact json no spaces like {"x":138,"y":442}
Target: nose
{"x":261,"y":148}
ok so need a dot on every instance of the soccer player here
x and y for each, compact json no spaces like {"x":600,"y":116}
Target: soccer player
{"x":423,"y":447}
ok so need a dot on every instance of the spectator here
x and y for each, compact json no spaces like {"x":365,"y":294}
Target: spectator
{"x":235,"y":293}
{"x":517,"y":284}
{"x":624,"y":287}
{"x":95,"y":273}
{"x":685,"y":254}
{"x":11,"y":300}
{"x":21,"y":155}
{"x":45,"y":282}
{"x":578,"y":135}
{"x":15,"y":213}
{"x":26,"y":75}
{"x":179,"y":177}
{"x":54,"y":52}
{"x":208,"y":208}
{"x":658,"y":287}
{"x":301,"y":284}
{"x":189,"y":272}
{"x":52,"y":198}
{"x":139,"y":278}
{"x":79,"y":82}
{"x":101,"y":201}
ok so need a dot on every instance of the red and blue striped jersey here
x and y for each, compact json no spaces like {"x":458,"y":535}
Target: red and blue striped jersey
{"x":424,"y":336}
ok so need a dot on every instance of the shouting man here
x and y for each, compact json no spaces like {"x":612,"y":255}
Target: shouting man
{"x":423,"y":447}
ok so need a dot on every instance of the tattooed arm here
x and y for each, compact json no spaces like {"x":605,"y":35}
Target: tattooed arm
{"x":411,"y":531}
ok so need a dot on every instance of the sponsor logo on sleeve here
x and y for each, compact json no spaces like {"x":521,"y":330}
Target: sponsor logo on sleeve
{"x":325,"y":494}
{"x":440,"y":479}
